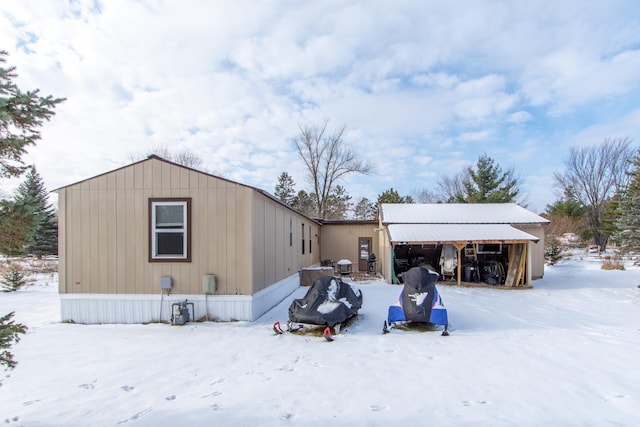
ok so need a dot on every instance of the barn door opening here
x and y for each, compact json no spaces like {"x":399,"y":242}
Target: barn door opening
{"x":364,"y":246}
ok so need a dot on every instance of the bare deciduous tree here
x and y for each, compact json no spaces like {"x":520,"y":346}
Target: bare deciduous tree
{"x":185,"y":157}
{"x":327,"y":160}
{"x":595,"y":175}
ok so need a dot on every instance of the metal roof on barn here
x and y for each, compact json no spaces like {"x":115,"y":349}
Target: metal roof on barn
{"x":447,"y":233}
{"x":457,"y":213}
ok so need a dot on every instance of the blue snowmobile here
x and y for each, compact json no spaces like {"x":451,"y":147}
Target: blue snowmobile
{"x":419,"y":302}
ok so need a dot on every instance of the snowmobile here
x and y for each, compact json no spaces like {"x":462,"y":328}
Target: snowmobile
{"x":328,"y":305}
{"x":419,"y":305}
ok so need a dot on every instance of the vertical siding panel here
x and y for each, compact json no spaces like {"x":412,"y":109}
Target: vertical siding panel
{"x":130,"y":244}
{"x":269,"y":250}
{"x":102,"y":238}
{"x":121,"y":236}
{"x":110,"y":244}
{"x":280,"y":240}
{"x":63,"y":285}
{"x":165,"y":176}
{"x":212,"y":244}
{"x":138,"y":176}
{"x":149,"y":271}
{"x":74,"y":230}
{"x":85,"y":246}
{"x":221,"y":237}
{"x":259,"y":241}
{"x":139,"y":237}
{"x":232,"y":238}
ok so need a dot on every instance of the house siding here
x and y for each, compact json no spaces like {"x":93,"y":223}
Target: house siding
{"x":104,"y":235}
{"x":274,"y":258}
{"x":340,"y":241}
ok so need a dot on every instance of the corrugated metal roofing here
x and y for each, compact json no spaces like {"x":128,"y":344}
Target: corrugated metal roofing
{"x":457,"y":213}
{"x":431,"y":233}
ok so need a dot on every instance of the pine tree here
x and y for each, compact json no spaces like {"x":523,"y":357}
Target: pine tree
{"x":487,"y":183}
{"x":21,"y":116}
{"x":338,"y":203}
{"x":305,"y":203}
{"x":44,"y":240}
{"x":13,"y":279}
{"x":628,"y":223}
{"x":392,"y":196}
{"x":365,"y":209}
{"x":9,"y":334}
{"x":18,"y":222}
{"x":285,"y":189}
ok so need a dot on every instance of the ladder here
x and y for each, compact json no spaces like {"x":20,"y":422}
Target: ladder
{"x":470,"y":253}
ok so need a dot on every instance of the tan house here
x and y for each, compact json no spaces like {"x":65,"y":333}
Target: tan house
{"x":495,"y":243}
{"x":136,"y":240}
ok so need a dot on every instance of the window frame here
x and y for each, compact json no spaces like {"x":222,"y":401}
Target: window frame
{"x":185,"y":229}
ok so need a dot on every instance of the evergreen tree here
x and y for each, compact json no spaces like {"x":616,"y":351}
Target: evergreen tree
{"x":628,"y":222}
{"x":567,"y":206}
{"x":487,"y":183}
{"x":392,"y":196}
{"x":21,"y":116}
{"x":285,"y":189}
{"x":305,"y":203}
{"x":338,"y":203}
{"x":365,"y":209}
{"x":9,"y":334}
{"x":44,"y":240}
{"x":18,"y":223}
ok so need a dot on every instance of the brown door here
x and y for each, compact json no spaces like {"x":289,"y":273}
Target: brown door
{"x":364,"y":249}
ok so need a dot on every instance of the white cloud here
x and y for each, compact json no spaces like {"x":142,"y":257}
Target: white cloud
{"x":422,"y":88}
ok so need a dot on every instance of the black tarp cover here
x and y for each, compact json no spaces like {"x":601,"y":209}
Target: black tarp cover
{"x":329,"y":301}
{"x":418,"y":293}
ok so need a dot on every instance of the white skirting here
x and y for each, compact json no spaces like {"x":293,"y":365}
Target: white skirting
{"x":138,"y":308}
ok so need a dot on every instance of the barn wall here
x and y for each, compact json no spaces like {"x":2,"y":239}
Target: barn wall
{"x":536,"y":249}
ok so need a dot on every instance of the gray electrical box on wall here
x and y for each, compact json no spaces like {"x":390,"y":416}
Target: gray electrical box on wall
{"x":166,"y":283}
{"x":209,"y":284}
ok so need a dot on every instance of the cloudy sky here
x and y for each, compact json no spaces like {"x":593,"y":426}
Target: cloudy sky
{"x":423,"y":87}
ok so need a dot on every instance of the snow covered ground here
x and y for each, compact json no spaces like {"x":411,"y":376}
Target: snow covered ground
{"x":563,"y":353}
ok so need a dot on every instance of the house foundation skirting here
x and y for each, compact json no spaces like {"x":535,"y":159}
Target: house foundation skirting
{"x":147,"y":308}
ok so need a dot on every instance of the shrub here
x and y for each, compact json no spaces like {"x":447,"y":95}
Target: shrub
{"x":13,"y":279}
{"x":612,"y":263}
{"x":552,"y":253}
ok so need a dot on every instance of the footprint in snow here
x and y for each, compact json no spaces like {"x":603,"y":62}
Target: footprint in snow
{"x":212,"y":394}
{"x":136,"y":416}
{"x":88,"y":386}
{"x":477,"y":402}
{"x":172,"y":397}
{"x":127,"y":388}
{"x":378,"y":408}
{"x":11,"y":420}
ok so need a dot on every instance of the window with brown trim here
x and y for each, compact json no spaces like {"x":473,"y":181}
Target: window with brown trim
{"x":170,"y":230}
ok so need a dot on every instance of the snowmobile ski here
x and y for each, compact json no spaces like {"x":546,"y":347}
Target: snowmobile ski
{"x":327,"y":334}
{"x":277,"y":329}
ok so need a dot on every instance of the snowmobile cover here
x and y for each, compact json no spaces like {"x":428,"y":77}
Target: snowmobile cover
{"x":419,"y":300}
{"x":328,"y":301}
